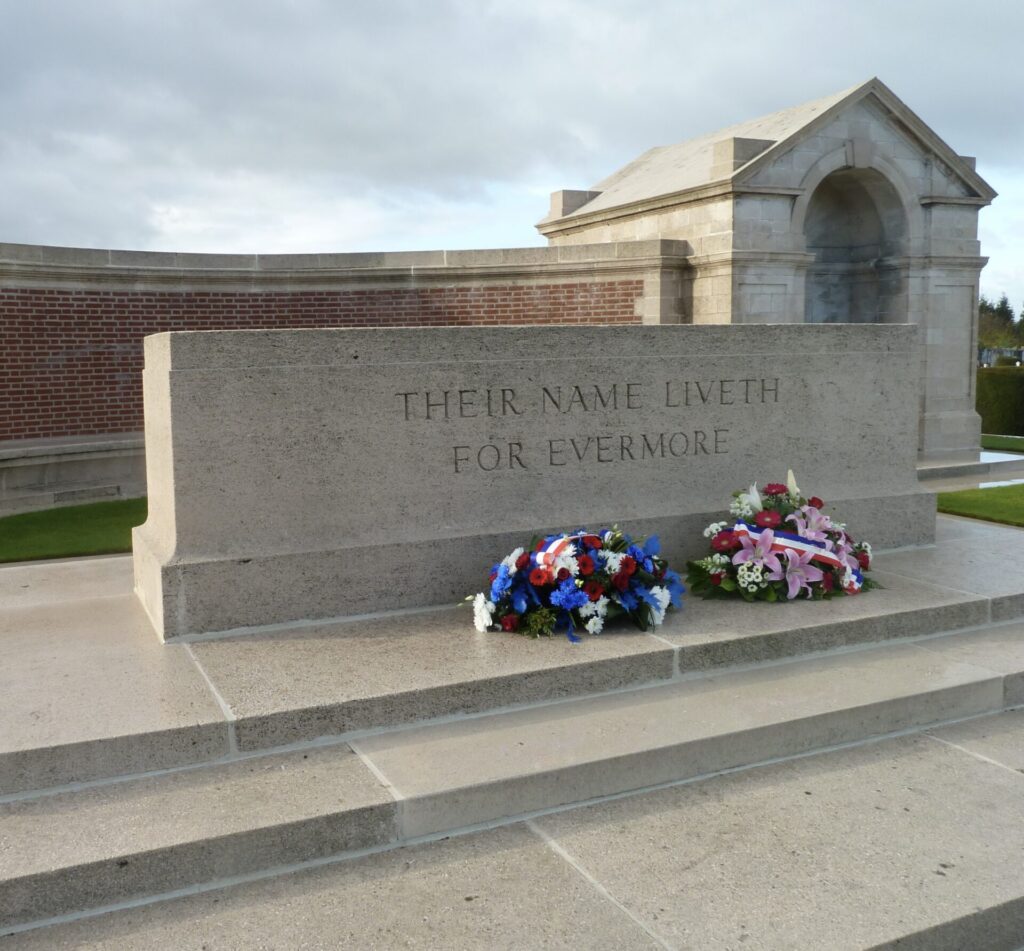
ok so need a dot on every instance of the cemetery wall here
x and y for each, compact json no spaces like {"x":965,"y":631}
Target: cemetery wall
{"x":72,"y":321}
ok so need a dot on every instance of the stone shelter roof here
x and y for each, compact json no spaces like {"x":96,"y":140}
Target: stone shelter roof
{"x":729,"y":154}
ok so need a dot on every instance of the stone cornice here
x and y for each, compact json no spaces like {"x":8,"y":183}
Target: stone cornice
{"x":689,"y":196}
{"x":46,"y":267}
{"x":953,"y":200}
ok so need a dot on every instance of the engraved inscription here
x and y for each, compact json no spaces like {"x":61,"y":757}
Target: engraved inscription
{"x":570,"y":399}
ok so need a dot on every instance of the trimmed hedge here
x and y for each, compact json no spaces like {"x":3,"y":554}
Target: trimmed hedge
{"x":1001,"y":400}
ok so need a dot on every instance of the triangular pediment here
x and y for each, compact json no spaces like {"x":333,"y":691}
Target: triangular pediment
{"x":735,"y":155}
{"x":905,"y":120}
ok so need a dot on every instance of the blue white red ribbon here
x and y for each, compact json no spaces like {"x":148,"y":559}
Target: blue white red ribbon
{"x":782,"y":541}
{"x":549,"y":554}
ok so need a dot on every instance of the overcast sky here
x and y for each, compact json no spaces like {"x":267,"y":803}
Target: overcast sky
{"x":334,"y":125}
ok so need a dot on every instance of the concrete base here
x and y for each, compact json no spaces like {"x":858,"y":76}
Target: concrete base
{"x":186,"y":596}
{"x":47,"y":473}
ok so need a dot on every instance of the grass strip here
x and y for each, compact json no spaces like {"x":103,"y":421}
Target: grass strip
{"x":100,"y":528}
{"x":1003,"y":443}
{"x":1004,"y":503}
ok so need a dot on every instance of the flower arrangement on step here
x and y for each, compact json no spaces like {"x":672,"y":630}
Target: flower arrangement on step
{"x":578,"y":581}
{"x":777,"y":546}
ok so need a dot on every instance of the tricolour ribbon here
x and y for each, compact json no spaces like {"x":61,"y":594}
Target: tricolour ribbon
{"x":790,"y":541}
{"x":549,"y":554}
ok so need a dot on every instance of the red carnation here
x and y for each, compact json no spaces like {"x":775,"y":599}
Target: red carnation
{"x":864,"y":560}
{"x":593,"y":589}
{"x":494,"y":573}
{"x":827,"y":581}
{"x":725,"y":542}
{"x":563,"y":574}
{"x":775,"y":488}
{"x":540,"y":577}
{"x":510,"y":622}
{"x":815,"y":502}
{"x":522,"y":561}
{"x":716,"y":578}
{"x":592,"y":541}
{"x":628,"y":565}
{"x":621,"y":581}
{"x":767,"y":519}
{"x":586,"y":564}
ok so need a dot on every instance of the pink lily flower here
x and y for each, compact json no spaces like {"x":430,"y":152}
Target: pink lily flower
{"x":811,"y":524}
{"x":799,"y":573}
{"x":758,"y":551}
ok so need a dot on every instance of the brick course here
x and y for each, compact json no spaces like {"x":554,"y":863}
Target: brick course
{"x":71,"y":360}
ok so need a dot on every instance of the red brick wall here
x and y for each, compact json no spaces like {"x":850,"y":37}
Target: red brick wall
{"x":71,"y":361}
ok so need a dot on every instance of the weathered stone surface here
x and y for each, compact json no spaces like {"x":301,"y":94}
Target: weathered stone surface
{"x":311,"y":474}
{"x":77,"y":850}
{"x":902,"y":844}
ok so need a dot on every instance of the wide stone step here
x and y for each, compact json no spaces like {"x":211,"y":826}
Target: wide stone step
{"x":67,"y":852}
{"x":93,"y":695}
{"x":912,"y":842}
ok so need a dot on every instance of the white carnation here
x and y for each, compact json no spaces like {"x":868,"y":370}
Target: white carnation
{"x":567,"y":560}
{"x":510,"y":561}
{"x":596,"y":624}
{"x":596,"y":608}
{"x":483,"y":611}
{"x":664,"y":600}
{"x":613,"y":561}
{"x":714,"y":528}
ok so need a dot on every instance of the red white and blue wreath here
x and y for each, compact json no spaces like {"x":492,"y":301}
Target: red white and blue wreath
{"x":578,"y":582}
{"x":777,"y":546}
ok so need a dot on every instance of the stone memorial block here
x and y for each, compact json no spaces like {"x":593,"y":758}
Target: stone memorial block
{"x":303,"y":475}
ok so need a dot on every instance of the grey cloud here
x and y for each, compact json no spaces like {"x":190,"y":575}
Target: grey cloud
{"x":110,"y":108}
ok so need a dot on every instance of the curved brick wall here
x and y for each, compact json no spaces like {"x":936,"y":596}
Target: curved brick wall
{"x":72,"y":321}
{"x":72,"y":360}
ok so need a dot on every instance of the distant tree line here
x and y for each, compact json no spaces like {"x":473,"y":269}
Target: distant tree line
{"x":998,"y":326}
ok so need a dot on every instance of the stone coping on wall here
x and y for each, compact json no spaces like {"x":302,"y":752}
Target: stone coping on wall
{"x":24,"y":265}
{"x":69,"y":445}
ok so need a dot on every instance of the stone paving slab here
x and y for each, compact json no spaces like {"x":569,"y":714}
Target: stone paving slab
{"x":506,"y":764}
{"x":848,"y":850}
{"x":363,"y":674}
{"x":720,"y":633}
{"x":88,"y":692}
{"x":294,"y":686}
{"x":999,"y":648}
{"x":983,"y":563}
{"x":76,"y":850}
{"x":499,"y":889}
{"x":998,"y":738}
{"x":72,"y":579}
{"x":907,"y":843}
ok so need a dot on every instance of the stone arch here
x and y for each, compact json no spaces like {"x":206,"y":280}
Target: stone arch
{"x":859,"y":221}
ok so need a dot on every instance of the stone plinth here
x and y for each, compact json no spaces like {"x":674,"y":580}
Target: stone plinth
{"x":312,"y":474}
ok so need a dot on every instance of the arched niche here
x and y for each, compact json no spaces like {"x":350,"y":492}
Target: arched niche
{"x":856,"y":228}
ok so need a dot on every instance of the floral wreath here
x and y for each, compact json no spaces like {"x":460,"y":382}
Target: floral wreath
{"x":578,"y":581}
{"x":779,"y":545}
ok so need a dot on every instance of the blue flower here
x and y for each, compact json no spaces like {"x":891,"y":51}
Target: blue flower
{"x":652,"y":546}
{"x":502,"y":582}
{"x":568,"y":596}
{"x":675,"y":586}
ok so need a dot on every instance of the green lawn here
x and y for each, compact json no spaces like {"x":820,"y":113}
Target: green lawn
{"x":1003,"y":443}
{"x":97,"y":529}
{"x":1004,"y":503}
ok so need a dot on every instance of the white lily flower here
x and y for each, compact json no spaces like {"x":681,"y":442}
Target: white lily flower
{"x":791,"y":484}
{"x":752,"y":498}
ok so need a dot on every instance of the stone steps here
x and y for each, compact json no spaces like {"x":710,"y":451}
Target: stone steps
{"x":274,"y":690}
{"x":91,"y":848}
